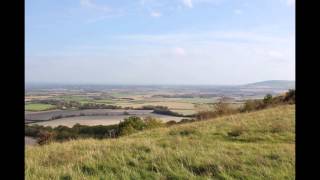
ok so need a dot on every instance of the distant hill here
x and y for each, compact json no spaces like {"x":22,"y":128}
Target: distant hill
{"x":279,"y":84}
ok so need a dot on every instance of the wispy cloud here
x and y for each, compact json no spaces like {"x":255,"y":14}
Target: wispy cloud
{"x":187,"y":3}
{"x":155,"y":14}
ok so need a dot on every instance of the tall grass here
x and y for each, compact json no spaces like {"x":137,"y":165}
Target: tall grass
{"x":265,"y":149}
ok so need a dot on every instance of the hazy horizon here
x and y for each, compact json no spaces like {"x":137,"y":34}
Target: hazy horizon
{"x":153,"y":42}
{"x":121,"y":84}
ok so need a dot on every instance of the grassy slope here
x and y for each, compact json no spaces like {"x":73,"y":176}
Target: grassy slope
{"x":201,"y":150}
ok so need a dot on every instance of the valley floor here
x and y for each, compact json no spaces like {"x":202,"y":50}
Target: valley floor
{"x":257,"y":145}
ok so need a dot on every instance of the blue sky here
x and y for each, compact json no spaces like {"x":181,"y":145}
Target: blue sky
{"x":159,"y":41}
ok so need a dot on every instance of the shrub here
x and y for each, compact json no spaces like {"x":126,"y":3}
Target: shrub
{"x":252,"y":105}
{"x":62,"y":133}
{"x":127,"y":130}
{"x":170,"y":123}
{"x":290,"y":96}
{"x":267,"y":99}
{"x":151,"y":122}
{"x":45,"y":137}
{"x":130,"y":125}
{"x":187,"y":120}
{"x":222,"y":107}
{"x":133,"y":124}
{"x":202,"y":115}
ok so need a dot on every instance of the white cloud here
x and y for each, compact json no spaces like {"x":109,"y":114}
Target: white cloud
{"x":238,"y":11}
{"x":179,"y":51}
{"x":155,"y":14}
{"x":187,"y":3}
{"x":291,"y":2}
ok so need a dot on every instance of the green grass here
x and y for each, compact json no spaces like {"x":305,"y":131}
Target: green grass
{"x":257,"y":145}
{"x":38,"y":107}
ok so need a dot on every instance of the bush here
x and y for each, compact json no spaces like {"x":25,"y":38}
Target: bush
{"x":202,"y":115}
{"x":127,"y":130}
{"x":252,"y":105}
{"x":290,"y":96}
{"x":170,"y":123}
{"x":133,"y":124}
{"x":35,"y":130}
{"x":267,"y":99}
{"x":130,"y":125}
{"x":45,"y":137}
{"x":223,"y":108}
{"x":187,"y":120}
{"x":62,"y":133}
{"x":151,"y":122}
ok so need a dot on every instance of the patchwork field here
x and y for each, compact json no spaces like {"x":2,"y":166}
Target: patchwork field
{"x":101,"y":120}
{"x":48,"y":115}
{"x":183,"y":100}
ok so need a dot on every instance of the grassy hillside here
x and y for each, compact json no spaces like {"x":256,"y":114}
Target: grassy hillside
{"x":257,"y":145}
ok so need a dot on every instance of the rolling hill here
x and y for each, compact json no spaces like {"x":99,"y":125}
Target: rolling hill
{"x":282,"y":84}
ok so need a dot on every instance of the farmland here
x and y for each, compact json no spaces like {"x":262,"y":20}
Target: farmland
{"x":93,"y":105}
{"x":185,"y":99}
{"x":99,"y":120}
{"x":38,"y":107}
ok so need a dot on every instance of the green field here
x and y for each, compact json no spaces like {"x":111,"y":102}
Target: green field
{"x":38,"y":107}
{"x":257,"y":145}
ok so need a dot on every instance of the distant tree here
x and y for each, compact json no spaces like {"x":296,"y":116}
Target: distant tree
{"x":290,"y":96}
{"x":267,"y":99}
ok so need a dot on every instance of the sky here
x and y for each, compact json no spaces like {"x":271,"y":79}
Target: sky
{"x":200,"y":42}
